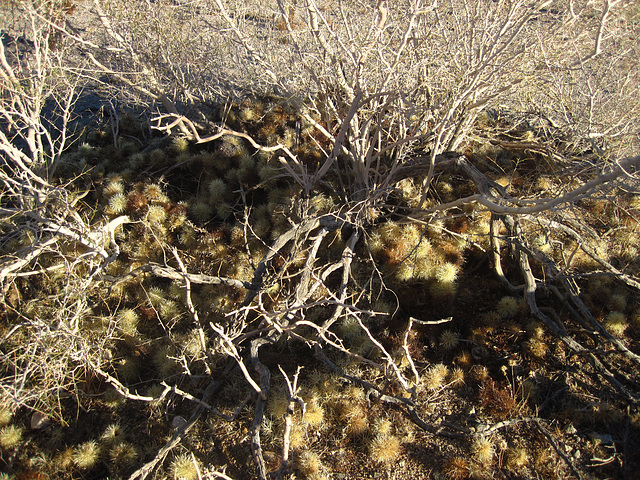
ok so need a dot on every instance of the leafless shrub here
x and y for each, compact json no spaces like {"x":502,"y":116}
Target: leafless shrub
{"x":421,"y":72}
{"x":43,"y":232}
{"x":397,"y":96}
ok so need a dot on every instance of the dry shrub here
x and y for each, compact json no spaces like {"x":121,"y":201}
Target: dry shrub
{"x":497,"y":401}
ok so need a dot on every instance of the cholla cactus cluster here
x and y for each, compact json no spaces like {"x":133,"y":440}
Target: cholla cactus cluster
{"x":353,"y":239}
{"x":221,"y":209}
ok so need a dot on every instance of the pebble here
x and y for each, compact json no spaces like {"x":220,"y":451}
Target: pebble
{"x":39,"y":421}
{"x":178,"y":422}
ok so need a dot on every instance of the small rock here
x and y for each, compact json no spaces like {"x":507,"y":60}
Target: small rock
{"x":39,"y":421}
{"x":604,"y":439}
{"x":570,"y":429}
{"x":178,"y":422}
{"x":607,"y":439}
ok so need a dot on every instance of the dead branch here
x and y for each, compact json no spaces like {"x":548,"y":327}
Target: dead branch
{"x":586,"y":317}
{"x":165,"y":271}
{"x":144,"y":471}
{"x":265,"y":383}
{"x":498,"y":205}
{"x":558,"y":225}
{"x":560,"y":332}
{"x":292,"y":392}
{"x":557,"y":448}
